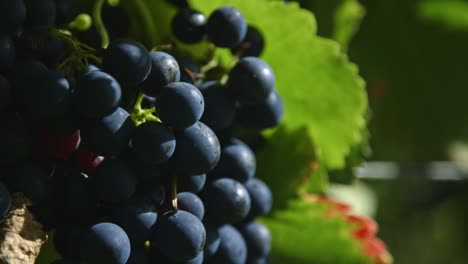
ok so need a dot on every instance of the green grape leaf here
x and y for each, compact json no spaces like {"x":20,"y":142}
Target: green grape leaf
{"x":451,"y":13}
{"x":347,"y":18}
{"x":311,"y":236}
{"x":285,"y":162}
{"x":321,"y":89}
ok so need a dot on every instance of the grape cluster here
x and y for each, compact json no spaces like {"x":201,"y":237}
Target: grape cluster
{"x":137,"y":157}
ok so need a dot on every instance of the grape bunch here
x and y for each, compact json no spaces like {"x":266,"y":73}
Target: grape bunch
{"x":129,"y":155}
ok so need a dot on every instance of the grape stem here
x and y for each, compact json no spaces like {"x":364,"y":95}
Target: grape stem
{"x":140,"y":115}
{"x":99,"y":24}
{"x":174,"y":193}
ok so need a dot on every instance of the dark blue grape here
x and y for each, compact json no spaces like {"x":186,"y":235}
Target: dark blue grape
{"x":258,"y":239}
{"x":111,"y":134}
{"x":137,"y":223}
{"x":43,"y":94}
{"x":219,"y":107}
{"x":260,"y":196}
{"x":67,"y":239}
{"x":28,"y":178}
{"x":226,"y":201}
{"x":15,"y":141}
{"x":128,"y":61}
{"x":53,"y":51}
{"x":5,"y":92}
{"x":40,"y":15}
{"x":5,"y":200}
{"x":97,"y":94}
{"x":212,"y":242}
{"x":252,"y":45}
{"x":105,"y":243}
{"x":251,"y":81}
{"x":191,"y":203}
{"x":180,"y":105}
{"x":7,"y":52}
{"x":226,"y":27}
{"x":12,"y":15}
{"x":180,"y":236}
{"x":193,"y":183}
{"x":263,"y":115}
{"x":237,"y":162}
{"x":164,"y":70}
{"x":189,"y":26}
{"x":232,"y":249}
{"x":153,"y":143}
{"x":197,"y":151}
{"x":113,"y":181}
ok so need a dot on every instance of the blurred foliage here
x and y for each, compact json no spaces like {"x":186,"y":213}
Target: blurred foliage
{"x":450,"y":13}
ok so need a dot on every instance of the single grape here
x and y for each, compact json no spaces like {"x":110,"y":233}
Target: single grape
{"x":251,"y":81}
{"x":97,"y":94}
{"x":226,"y":27}
{"x":192,"y":183}
{"x":148,"y":102}
{"x":258,"y":239}
{"x":226,"y":201}
{"x":189,"y":26}
{"x":43,"y":94}
{"x":164,"y":70}
{"x":12,"y":15}
{"x":180,"y":236}
{"x":128,"y":61}
{"x":196,"y":260}
{"x":219,"y":107}
{"x":252,"y":45}
{"x":113,"y":181}
{"x":40,"y":15}
{"x":111,"y":134}
{"x":260,"y":196}
{"x":197,"y":151}
{"x":105,"y":243}
{"x":237,"y":162}
{"x":5,"y":201}
{"x":263,"y":115}
{"x":153,"y":143}
{"x":191,"y":203}
{"x":7,"y":52}
{"x":180,"y":105}
{"x":137,"y":223}
{"x":232,"y":249}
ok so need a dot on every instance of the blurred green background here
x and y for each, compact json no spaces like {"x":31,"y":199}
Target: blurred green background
{"x":414,"y":55}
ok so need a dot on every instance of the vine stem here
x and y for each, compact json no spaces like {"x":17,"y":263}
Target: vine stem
{"x":99,"y":24}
